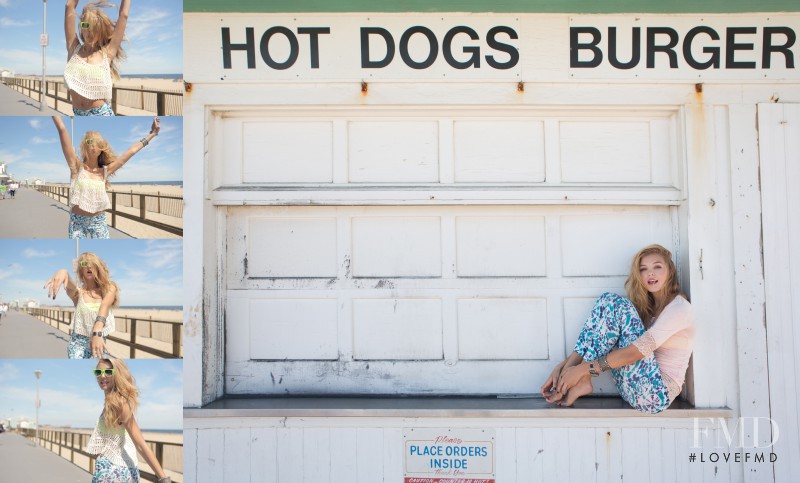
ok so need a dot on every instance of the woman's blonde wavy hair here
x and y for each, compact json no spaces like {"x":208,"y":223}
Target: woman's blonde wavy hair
{"x":125,"y":394}
{"x":103,"y":27}
{"x":107,"y":155}
{"x":101,"y":275}
{"x":637,"y":291}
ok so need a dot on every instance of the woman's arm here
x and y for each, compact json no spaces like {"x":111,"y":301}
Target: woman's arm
{"x":141,"y":445}
{"x":66,"y":146}
{"x":135,"y":148}
{"x":69,"y":27}
{"x":552,"y":380}
{"x":62,"y":279}
{"x":119,"y":29}
{"x":96,"y":342}
{"x":617,"y":358}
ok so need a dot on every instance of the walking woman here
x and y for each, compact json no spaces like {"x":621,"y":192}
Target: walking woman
{"x":92,"y":319}
{"x":89,"y":175}
{"x":116,"y":437}
{"x":93,"y":56}
{"x":645,"y":340}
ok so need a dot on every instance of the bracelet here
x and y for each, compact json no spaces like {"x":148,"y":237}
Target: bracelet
{"x":165,"y":479}
{"x":603,"y":361}
{"x":593,"y":369}
{"x":101,"y":318}
{"x":97,"y":334}
{"x":144,"y":142}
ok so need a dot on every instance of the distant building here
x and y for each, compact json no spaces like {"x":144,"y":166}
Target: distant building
{"x":6,"y":73}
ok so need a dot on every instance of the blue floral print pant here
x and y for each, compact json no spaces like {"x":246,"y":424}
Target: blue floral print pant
{"x":104,"y":110}
{"x":88,"y":226}
{"x":79,"y":348}
{"x":107,"y":472}
{"x":615,"y":324}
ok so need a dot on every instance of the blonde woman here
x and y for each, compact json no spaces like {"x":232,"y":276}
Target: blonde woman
{"x":89,"y":174}
{"x":94,"y":298}
{"x":116,"y":437}
{"x":94,"y":53}
{"x":645,"y":340}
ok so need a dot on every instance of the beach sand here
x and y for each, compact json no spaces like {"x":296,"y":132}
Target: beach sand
{"x":173,"y":455}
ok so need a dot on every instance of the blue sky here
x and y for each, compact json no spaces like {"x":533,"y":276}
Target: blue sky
{"x":148,"y":272}
{"x":30,"y":147}
{"x":154,"y":36}
{"x":70,"y":395}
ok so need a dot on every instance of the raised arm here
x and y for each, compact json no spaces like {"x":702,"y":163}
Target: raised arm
{"x":142,"y":447}
{"x":96,"y":343}
{"x":119,"y":28}
{"x":69,"y":27}
{"x":66,"y":146}
{"x":62,"y":279}
{"x":135,"y":148}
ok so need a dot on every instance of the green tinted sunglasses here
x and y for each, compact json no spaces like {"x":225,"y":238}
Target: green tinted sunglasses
{"x":103,"y":372}
{"x":85,"y":25}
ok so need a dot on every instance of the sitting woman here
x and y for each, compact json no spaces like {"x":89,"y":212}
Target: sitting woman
{"x":92,"y":320}
{"x":93,"y":56}
{"x":117,"y":437}
{"x":89,"y":174}
{"x":645,"y":340}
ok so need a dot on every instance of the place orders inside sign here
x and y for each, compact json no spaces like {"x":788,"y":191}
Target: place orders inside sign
{"x":447,"y":455}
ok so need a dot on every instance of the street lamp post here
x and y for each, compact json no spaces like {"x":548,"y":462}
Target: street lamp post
{"x":43,"y":41}
{"x":38,"y":403}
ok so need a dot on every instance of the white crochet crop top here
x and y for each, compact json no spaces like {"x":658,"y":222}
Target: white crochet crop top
{"x":84,"y":315}
{"x":114,"y":444}
{"x":89,"y":194}
{"x":92,"y":81}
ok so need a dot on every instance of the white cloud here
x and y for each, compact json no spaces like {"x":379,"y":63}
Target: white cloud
{"x":35,"y":123}
{"x":10,"y":270}
{"x":9,"y":22}
{"x":8,"y":372}
{"x":33,"y":253}
{"x":163,"y":254}
{"x":41,"y":140}
{"x":5,"y":3}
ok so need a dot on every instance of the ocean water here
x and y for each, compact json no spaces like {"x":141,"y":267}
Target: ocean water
{"x":170,"y":183}
{"x":153,"y":307}
{"x":153,"y":76}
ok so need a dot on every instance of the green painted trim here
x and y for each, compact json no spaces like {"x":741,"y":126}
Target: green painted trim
{"x":500,"y":6}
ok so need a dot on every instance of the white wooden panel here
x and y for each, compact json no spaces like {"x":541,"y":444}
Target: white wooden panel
{"x":556,"y":459}
{"x":291,"y":247}
{"x":529,"y":445}
{"x":236,"y":453}
{"x":487,"y":151}
{"x":501,"y":246}
{"x":290,"y":454}
{"x":344,"y":455}
{"x":502,"y":329}
{"x":396,"y":247}
{"x":190,"y":454}
{"x":392,"y":453}
{"x":635,"y":454}
{"x":506,"y":454}
{"x":582,"y":442}
{"x":603,"y":244}
{"x":264,"y":452}
{"x":293,"y":329}
{"x":210,"y":465}
{"x":370,"y":455}
{"x":397,"y":329}
{"x":287,"y":152}
{"x":316,"y":457}
{"x":605,"y":152}
{"x":608,"y":451}
{"x":779,"y":146}
{"x":393,"y":151}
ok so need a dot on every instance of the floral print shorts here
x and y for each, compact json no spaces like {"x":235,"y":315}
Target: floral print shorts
{"x":79,"y":348}
{"x":615,"y":324}
{"x":107,"y":472}
{"x":88,"y":226}
{"x":104,"y":110}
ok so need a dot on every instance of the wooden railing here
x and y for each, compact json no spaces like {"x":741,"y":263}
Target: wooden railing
{"x":160,"y":103}
{"x":70,"y":444}
{"x":135,"y":327}
{"x":161,"y":204}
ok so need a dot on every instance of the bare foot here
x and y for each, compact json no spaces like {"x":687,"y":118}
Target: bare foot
{"x":582,"y":388}
{"x":553,"y":396}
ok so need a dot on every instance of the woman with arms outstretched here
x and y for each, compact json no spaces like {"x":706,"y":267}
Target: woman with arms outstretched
{"x":645,"y":340}
{"x":89,"y":174}
{"x":117,"y":437}
{"x":94,"y":53}
{"x":92,"y":320}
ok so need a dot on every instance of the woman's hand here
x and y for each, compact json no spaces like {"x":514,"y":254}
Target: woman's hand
{"x":60,"y":279}
{"x":552,"y":380}
{"x":571,"y":376}
{"x":155,"y":127}
{"x":98,"y":347}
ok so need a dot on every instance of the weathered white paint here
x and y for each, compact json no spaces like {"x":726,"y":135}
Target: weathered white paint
{"x":779,"y":147}
{"x":345,"y":450}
